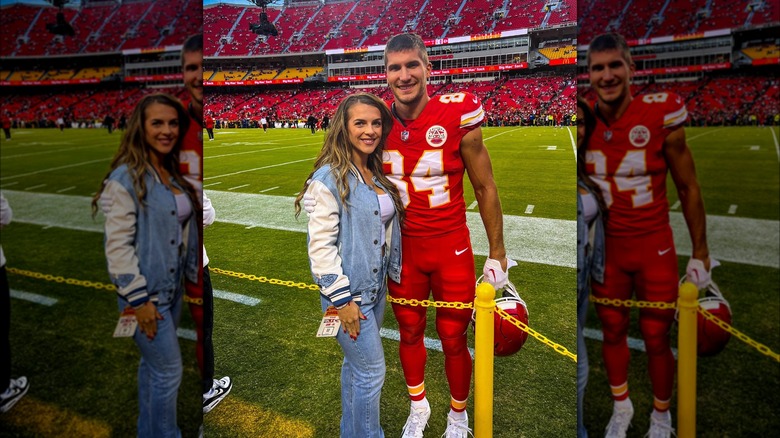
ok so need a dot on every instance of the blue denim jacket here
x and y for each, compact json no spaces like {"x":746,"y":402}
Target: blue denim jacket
{"x":147,"y":255}
{"x":590,"y":253}
{"x":345,"y":254}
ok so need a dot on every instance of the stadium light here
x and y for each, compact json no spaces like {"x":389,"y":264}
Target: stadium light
{"x":61,"y":27}
{"x":264,"y":27}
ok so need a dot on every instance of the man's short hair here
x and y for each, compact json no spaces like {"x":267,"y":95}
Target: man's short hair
{"x":610,"y":41}
{"x":406,"y":41}
{"x":193,"y":44}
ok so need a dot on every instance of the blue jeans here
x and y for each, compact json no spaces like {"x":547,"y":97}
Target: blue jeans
{"x":159,"y":375}
{"x":363,"y":371}
{"x":582,"y":358}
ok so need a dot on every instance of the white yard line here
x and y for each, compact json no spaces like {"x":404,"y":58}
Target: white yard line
{"x":54,"y":168}
{"x":502,"y":133}
{"x":33,"y":298}
{"x":258,"y":150}
{"x":236,"y":298}
{"x":633,"y":343}
{"x":689,"y":139}
{"x":258,"y":168}
{"x":66,"y":189}
{"x":431,"y":344}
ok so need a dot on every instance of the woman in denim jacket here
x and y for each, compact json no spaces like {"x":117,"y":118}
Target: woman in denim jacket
{"x":151,"y":244}
{"x":590,"y":247}
{"x":353,"y":244}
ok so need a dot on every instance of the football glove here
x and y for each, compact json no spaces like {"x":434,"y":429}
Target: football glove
{"x":697,"y":274}
{"x":493,"y":273}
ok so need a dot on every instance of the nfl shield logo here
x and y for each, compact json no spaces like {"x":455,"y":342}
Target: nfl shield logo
{"x":404,"y":135}
{"x":607,"y":135}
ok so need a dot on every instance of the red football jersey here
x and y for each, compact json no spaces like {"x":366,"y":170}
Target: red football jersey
{"x":191,"y":154}
{"x":423,"y":160}
{"x":626,"y":159}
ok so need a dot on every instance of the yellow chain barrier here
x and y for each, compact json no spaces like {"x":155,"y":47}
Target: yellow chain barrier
{"x":540,"y":337}
{"x":741,"y":336}
{"x":763,"y":349}
{"x":429,"y":303}
{"x":263,"y":279}
{"x":631,"y":303}
{"x":60,"y":279}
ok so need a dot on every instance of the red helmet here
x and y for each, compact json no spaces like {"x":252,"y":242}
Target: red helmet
{"x":507,"y":338}
{"x":710,"y":338}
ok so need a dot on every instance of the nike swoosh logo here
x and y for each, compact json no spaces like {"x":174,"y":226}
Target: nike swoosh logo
{"x":660,"y":253}
{"x":457,"y":253}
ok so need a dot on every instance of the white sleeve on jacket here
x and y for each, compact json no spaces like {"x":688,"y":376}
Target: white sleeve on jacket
{"x":5,"y":211}
{"x":323,"y":251}
{"x":209,"y":214}
{"x":123,"y":265}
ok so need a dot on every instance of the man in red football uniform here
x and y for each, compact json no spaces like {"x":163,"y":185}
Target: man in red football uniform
{"x":635,"y":142}
{"x":200,"y":296}
{"x":433,"y":140}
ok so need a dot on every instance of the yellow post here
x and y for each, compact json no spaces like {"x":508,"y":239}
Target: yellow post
{"x":483,"y":361}
{"x":687,"y":306}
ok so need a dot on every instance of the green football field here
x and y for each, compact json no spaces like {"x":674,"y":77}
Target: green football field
{"x":286,"y":380}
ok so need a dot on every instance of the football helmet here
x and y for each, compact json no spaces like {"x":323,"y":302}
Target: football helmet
{"x":507,"y":338}
{"x":710,"y":338}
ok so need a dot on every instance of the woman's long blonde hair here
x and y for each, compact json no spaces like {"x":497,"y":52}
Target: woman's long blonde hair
{"x":337,"y":151}
{"x":134,"y":151}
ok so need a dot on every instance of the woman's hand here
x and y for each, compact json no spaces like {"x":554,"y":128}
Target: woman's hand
{"x":147,"y":317}
{"x":350,"y":316}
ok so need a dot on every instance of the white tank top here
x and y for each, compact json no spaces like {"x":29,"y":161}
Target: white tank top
{"x":386,"y":211}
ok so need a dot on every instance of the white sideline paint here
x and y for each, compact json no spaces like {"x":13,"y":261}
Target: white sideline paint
{"x":187,"y":334}
{"x":573,"y":143}
{"x":538,"y":240}
{"x":236,"y":298}
{"x":431,"y":344}
{"x":633,"y":343}
{"x":774,"y":137}
{"x":33,"y":298}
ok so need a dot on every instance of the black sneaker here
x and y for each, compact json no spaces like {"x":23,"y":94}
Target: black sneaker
{"x":16,"y":390}
{"x":218,"y":391}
